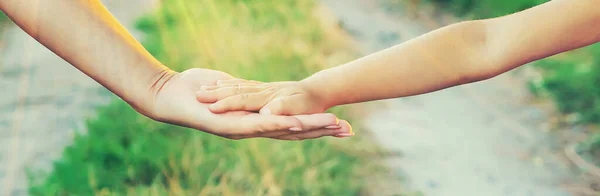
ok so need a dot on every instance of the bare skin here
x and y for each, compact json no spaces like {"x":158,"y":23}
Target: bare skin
{"x":457,"y":54}
{"x":85,"y":34}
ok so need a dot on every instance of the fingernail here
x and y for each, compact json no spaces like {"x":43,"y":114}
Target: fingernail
{"x":295,"y":129}
{"x":219,"y":82}
{"x":333,"y":127}
{"x":344,"y":135}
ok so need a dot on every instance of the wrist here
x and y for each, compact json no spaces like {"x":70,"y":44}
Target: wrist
{"x":160,"y":79}
{"x":321,"y":89}
{"x":148,"y":92}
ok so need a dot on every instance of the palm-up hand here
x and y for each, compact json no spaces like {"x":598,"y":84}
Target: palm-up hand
{"x":175,"y":103}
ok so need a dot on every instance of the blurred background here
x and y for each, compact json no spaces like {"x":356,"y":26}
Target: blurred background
{"x":531,"y":131}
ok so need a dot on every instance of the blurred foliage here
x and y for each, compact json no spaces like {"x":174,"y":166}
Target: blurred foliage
{"x":4,"y":20}
{"x":125,"y":153}
{"x":590,"y":149}
{"x":486,"y":8}
{"x":284,"y":40}
{"x":572,"y":80}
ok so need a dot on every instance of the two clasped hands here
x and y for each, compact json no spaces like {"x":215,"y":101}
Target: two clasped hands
{"x":216,"y":102}
{"x":191,"y":98}
{"x":277,"y":98}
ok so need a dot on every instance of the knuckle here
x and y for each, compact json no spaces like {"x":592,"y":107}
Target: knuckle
{"x":222,"y":106}
{"x":238,"y":89}
{"x":280,"y":106}
{"x":269,"y":90}
{"x":267,"y":126}
{"x":282,"y":102}
{"x":261,"y":128}
{"x":331,"y":118}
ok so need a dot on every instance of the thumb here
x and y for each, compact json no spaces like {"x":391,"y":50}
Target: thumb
{"x":291,"y":105}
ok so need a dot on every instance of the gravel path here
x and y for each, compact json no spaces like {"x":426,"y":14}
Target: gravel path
{"x":477,"y":139}
{"x":44,"y":100}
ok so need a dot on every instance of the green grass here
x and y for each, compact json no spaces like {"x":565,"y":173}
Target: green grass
{"x":124,"y":153}
{"x":571,"y":81}
{"x":486,"y":8}
{"x":4,"y":20}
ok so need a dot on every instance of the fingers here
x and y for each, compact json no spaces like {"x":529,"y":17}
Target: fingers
{"x":287,"y":127}
{"x":267,"y":123}
{"x":312,"y":122}
{"x":344,"y":131}
{"x":246,"y":102}
{"x":290,"y":105}
{"x":236,"y":81}
{"x":242,"y":125}
{"x":209,"y":95}
{"x":318,"y":121}
{"x":226,"y":88}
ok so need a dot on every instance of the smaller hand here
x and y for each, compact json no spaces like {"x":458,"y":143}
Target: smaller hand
{"x":280,"y":98}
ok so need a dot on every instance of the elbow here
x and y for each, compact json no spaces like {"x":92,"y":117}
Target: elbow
{"x":478,"y":63}
{"x":476,"y":76}
{"x":478,"y":72}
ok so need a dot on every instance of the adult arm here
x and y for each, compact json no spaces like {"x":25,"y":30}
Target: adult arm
{"x":85,"y":34}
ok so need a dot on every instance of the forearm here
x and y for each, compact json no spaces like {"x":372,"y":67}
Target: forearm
{"x":462,"y":53}
{"x":443,"y":58}
{"x":542,"y":31}
{"x":86,"y":35}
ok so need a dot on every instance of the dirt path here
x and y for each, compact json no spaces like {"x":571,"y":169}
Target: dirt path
{"x":477,"y":139}
{"x":44,"y":100}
